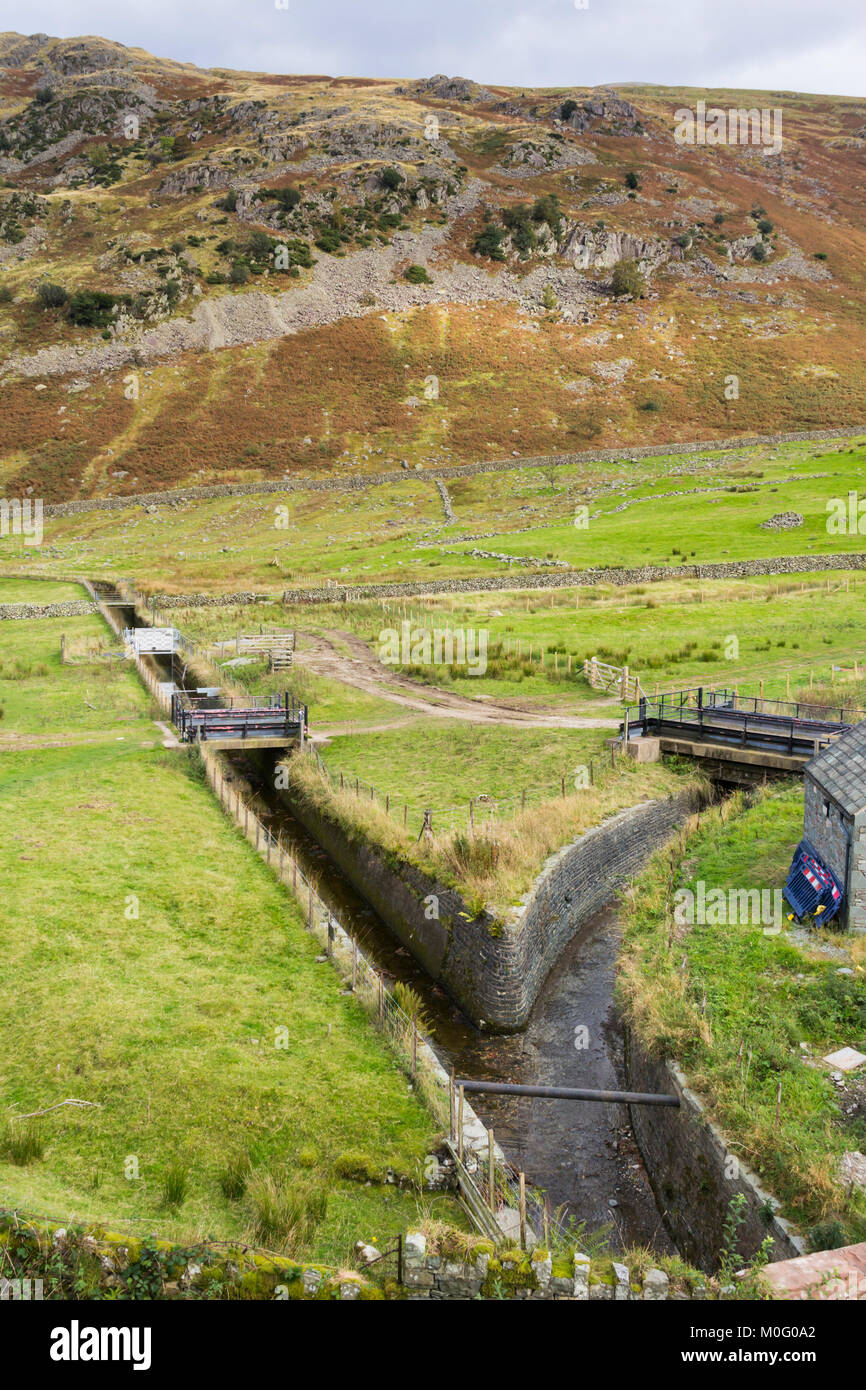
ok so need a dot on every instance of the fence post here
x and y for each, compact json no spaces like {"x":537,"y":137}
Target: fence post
{"x":354,"y":964}
{"x":414,"y":1048}
{"x":491,"y":1171}
{"x":523,"y":1211}
{"x":452,"y":1116}
{"x":460,"y":1125}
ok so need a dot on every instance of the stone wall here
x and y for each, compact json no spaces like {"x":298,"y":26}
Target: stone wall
{"x":693,"y":1174}
{"x":515,"y":1274}
{"x":495,"y":970}
{"x":565,"y":579}
{"x":827,"y":833}
{"x":73,"y":609}
{"x":460,"y":471}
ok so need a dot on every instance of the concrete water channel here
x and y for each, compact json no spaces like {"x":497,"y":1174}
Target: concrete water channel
{"x":583,"y":1154}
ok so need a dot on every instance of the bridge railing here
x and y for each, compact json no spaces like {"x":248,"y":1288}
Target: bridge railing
{"x":199,"y":718}
{"x":734,"y":700}
{"x":723,"y":716}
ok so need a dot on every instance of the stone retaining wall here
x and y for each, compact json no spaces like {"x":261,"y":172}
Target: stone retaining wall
{"x":693,"y":1174}
{"x":514,"y":1274}
{"x":460,"y":471}
{"x":494,"y":970}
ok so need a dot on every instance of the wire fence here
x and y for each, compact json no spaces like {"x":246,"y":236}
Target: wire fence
{"x":476,"y":812}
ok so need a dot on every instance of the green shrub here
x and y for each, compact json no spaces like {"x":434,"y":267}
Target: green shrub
{"x":91,"y":308}
{"x":632,"y":180}
{"x":627,"y":279}
{"x":417,"y":275}
{"x":489,"y":243}
{"x":391,"y":178}
{"x":288,"y":198}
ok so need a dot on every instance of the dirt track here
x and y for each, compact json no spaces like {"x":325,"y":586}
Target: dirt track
{"x":358,"y":667}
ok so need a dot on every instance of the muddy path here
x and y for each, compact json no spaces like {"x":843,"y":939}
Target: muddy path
{"x":344,"y":657}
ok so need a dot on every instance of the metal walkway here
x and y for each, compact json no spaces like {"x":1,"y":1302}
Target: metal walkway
{"x":787,"y":734}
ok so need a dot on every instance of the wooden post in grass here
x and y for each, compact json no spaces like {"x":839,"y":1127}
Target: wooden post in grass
{"x":491,"y":1170}
{"x":460,"y":1105}
{"x":788,"y":686}
{"x":778,"y":1105}
{"x":414,"y":1048}
{"x":354,"y":965}
{"x":523,"y":1211}
{"x":562,"y":783}
{"x":452,"y":1107}
{"x":405,"y":816}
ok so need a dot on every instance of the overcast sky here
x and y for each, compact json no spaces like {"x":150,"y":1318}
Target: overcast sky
{"x":796,"y":45}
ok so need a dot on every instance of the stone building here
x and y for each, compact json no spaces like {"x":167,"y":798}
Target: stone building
{"x":835,"y":819}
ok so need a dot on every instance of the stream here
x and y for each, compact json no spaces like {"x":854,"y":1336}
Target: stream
{"x":583,"y":1154}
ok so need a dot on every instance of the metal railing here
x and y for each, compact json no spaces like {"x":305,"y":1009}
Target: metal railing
{"x":725,"y":716}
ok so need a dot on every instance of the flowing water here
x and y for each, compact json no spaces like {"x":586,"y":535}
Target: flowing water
{"x":581,"y":1153}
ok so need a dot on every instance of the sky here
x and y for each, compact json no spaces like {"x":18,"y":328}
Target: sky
{"x":781,"y":45}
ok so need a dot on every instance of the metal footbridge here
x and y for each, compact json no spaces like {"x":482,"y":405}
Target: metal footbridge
{"x":231,"y":724}
{"x":740,"y":734}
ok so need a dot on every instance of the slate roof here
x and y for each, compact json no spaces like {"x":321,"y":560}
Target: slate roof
{"x":841,"y":769}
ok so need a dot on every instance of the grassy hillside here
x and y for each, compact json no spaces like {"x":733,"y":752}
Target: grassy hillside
{"x":169,"y":190}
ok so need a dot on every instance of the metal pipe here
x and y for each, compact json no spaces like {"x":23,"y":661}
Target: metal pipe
{"x":506,"y":1088}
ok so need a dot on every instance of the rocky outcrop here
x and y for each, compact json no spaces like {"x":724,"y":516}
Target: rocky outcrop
{"x":447,"y":89}
{"x":594,"y":250}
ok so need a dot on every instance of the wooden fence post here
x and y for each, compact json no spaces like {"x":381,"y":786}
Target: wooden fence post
{"x":491,"y":1170}
{"x":523,"y":1211}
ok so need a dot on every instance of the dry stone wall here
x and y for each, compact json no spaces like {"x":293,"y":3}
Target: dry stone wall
{"x":460,"y":471}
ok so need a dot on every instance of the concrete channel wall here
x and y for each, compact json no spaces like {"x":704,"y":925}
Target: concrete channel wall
{"x":693,"y":1173}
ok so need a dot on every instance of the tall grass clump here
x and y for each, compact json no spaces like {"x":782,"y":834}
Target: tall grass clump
{"x":284,"y":1214}
{"x":174,"y":1184}
{"x":22,"y":1142}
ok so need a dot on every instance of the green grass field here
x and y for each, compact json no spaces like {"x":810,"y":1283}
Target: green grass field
{"x":766,"y":996}
{"x":155,"y":966}
{"x":42,"y":699}
{"x":397,"y":532}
